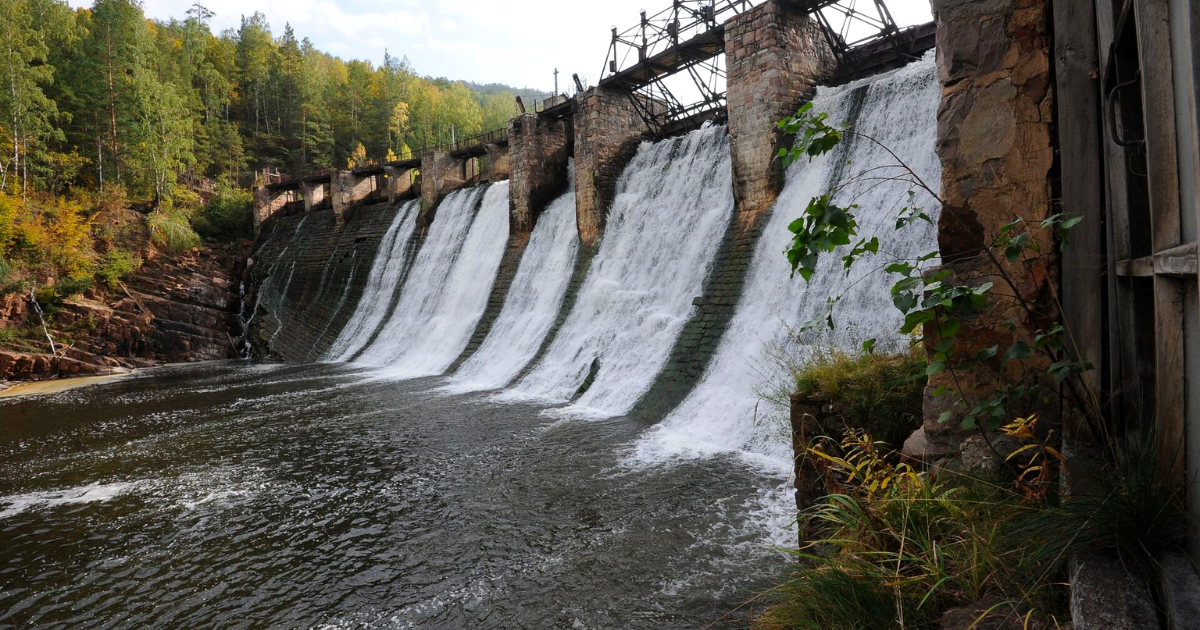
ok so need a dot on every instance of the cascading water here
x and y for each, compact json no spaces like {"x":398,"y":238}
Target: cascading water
{"x":382,"y":285}
{"x":447,"y":290}
{"x":898,"y":109}
{"x":673,"y":205}
{"x":532,"y":304}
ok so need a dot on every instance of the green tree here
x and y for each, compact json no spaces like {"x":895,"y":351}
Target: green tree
{"x":24,"y":107}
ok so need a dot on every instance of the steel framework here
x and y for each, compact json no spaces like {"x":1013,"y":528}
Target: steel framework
{"x":689,"y":37}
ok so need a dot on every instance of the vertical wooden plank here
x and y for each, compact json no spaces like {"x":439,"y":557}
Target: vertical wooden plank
{"x":1079,"y":140}
{"x":1158,"y":107}
{"x":1185,"y":28}
{"x":1123,"y":373}
{"x":1162,"y":166}
{"x":1169,"y":369}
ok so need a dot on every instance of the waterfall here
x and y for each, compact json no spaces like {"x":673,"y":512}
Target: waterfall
{"x":447,"y":289}
{"x":900,"y":110}
{"x":673,"y":204}
{"x":383,"y":284}
{"x":532,"y":304}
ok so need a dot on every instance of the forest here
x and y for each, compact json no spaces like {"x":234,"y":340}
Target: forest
{"x":102,"y":105}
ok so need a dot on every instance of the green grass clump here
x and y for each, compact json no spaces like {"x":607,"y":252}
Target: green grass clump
{"x":881,"y":393}
{"x":172,"y":230}
{"x":831,"y":599}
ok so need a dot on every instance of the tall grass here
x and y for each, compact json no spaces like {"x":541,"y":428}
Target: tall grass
{"x":172,"y":230}
{"x":928,"y":543}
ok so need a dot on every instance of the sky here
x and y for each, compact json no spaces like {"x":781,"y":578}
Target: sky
{"x":517,"y":42}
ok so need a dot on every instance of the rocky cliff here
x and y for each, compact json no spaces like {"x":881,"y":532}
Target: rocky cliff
{"x":172,"y":309}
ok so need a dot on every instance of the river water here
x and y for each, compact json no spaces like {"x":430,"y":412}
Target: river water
{"x":249,"y":496}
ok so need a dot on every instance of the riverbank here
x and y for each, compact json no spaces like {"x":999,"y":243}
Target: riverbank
{"x":11,"y":389}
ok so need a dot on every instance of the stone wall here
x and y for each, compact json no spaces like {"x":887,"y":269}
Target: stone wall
{"x":702,"y":334}
{"x":499,"y":162}
{"x":308,"y":277}
{"x":775,"y":57}
{"x":994,"y":140}
{"x":608,"y":130}
{"x":314,"y":194}
{"x":399,"y":183}
{"x":538,"y":152}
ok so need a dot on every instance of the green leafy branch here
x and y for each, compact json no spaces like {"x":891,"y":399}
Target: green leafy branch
{"x":930,"y":302}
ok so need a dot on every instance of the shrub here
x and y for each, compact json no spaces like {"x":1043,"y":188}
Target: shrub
{"x":936,"y":542}
{"x":51,"y":297}
{"x":183,"y":198}
{"x":115,"y":265}
{"x":228,"y":215}
{"x":171,"y":230}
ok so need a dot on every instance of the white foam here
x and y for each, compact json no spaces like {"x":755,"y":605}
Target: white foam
{"x":726,"y":413}
{"x":91,"y":493}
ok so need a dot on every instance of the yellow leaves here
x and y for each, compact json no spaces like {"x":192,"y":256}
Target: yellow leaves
{"x":358,"y":157}
{"x":1040,"y":469}
{"x":44,"y":232}
{"x":863,"y":465}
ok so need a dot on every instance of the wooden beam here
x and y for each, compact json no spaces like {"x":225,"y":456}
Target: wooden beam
{"x":1080,"y":158}
{"x":1162,"y":167}
{"x":1177,"y":262}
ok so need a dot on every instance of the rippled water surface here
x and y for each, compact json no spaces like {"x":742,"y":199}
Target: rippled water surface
{"x":309,"y":496}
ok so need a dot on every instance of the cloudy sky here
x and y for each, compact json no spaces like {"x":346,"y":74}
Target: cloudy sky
{"x":518,"y":42}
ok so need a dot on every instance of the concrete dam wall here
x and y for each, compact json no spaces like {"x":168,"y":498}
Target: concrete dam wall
{"x":603,"y":270}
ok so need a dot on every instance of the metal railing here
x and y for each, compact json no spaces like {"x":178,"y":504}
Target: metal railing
{"x":654,"y":34}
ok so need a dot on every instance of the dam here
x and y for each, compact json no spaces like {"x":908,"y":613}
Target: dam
{"x":543,"y":377}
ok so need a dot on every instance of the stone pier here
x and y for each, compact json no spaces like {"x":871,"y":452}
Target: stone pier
{"x":776,"y":56}
{"x":267,"y":202}
{"x":399,"y":182}
{"x":499,"y":163}
{"x":347,"y":189}
{"x":607,"y":130}
{"x":441,"y":173}
{"x":539,"y":150}
{"x":994,"y":139}
{"x":314,"y":194}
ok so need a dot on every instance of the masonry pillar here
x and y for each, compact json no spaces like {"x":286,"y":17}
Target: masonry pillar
{"x":775,"y":57}
{"x":266,"y":203}
{"x":399,"y":182}
{"x":607,"y":131}
{"x":347,"y":189}
{"x":499,"y":162}
{"x":995,"y":145}
{"x":314,"y":194}
{"x":441,"y":174}
{"x":539,"y":150}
